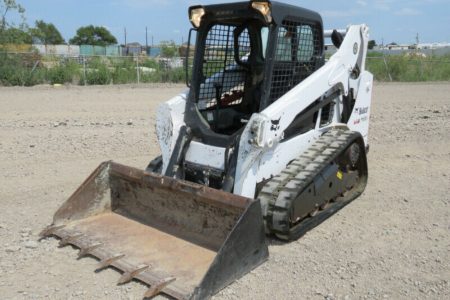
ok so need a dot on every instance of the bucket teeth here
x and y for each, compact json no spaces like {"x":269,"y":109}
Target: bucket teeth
{"x":50,"y":230}
{"x":128,"y":276}
{"x":108,"y":261}
{"x":156,"y":288}
{"x":87,"y":250}
{"x":69,"y":239}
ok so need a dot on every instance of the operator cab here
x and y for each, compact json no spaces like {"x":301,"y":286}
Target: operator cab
{"x":247,"y":56}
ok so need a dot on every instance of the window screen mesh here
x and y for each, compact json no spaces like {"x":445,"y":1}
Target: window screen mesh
{"x":220,"y":69}
{"x":298,"y":47}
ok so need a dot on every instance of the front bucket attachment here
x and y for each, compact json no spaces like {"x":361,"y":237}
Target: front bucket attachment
{"x":182,"y":239}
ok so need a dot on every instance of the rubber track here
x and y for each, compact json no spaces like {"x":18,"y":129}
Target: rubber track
{"x":280,"y":192}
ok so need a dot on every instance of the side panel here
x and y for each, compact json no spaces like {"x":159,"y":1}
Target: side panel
{"x":205,"y":155}
{"x":359,"y":120}
{"x":273,"y":162}
{"x":169,"y":120}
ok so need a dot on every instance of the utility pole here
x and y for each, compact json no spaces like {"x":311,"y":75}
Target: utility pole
{"x":418,"y":55}
{"x":125,"y":45}
{"x":417,"y":42}
{"x":146,"y":40}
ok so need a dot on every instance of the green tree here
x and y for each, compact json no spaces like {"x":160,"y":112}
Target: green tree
{"x":15,"y":36}
{"x":168,"y":49}
{"x":8,"y":31}
{"x":8,"y":6}
{"x":47,"y":34}
{"x":372,"y":44}
{"x":93,"y":35}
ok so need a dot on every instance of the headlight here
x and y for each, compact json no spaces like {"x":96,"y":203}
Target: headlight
{"x":196,"y":15}
{"x":264,"y":9}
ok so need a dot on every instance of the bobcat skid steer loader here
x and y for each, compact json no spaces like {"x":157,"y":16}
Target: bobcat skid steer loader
{"x":269,"y":139}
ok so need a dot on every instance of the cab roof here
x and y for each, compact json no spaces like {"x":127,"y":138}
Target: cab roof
{"x":280,"y":11}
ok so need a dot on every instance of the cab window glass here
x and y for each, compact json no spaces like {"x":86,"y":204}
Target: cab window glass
{"x":305,"y":49}
{"x":284,"y":45}
{"x":264,"y":40}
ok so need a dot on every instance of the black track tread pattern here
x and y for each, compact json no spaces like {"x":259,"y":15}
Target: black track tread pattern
{"x":278,"y":194}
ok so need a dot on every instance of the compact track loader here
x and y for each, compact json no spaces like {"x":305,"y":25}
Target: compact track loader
{"x":269,"y":139}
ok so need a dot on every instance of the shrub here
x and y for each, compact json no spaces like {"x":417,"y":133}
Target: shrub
{"x":68,"y":72}
{"x":99,"y":76}
{"x":124,"y":71}
{"x":149,"y":63}
{"x":14,"y":73}
{"x":176,"y":75}
{"x":412,"y":68}
{"x":124,"y":76}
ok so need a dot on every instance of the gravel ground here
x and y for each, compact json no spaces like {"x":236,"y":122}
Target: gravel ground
{"x":393,"y":242}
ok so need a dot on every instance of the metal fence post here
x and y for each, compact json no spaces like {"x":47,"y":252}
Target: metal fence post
{"x":421,"y":68}
{"x":84,"y":70}
{"x":137,"y":70}
{"x":387,"y":67}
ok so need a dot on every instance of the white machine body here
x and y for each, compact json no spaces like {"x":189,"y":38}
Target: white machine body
{"x":262,"y":155}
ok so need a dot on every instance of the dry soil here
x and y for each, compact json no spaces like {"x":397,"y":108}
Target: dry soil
{"x":393,"y":242}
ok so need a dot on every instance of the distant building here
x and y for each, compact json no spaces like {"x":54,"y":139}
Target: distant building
{"x":133,"y":49}
{"x":432,"y":46}
{"x":183,"y":50}
{"x":394,"y":46}
{"x":153,"y":51}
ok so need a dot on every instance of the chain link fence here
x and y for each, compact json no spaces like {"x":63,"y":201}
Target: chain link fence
{"x":27,"y":69}
{"x":413,"y":67}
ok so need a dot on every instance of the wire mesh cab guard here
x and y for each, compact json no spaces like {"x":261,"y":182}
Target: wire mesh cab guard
{"x":297,"y":55}
{"x":220,"y":70}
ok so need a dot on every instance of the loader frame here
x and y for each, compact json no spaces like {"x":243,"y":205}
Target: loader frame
{"x":261,"y":149}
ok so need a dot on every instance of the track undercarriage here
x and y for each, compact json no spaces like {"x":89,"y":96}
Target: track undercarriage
{"x":324,"y":179}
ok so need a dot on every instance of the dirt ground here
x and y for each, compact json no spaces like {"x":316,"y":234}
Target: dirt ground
{"x":393,"y":242}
